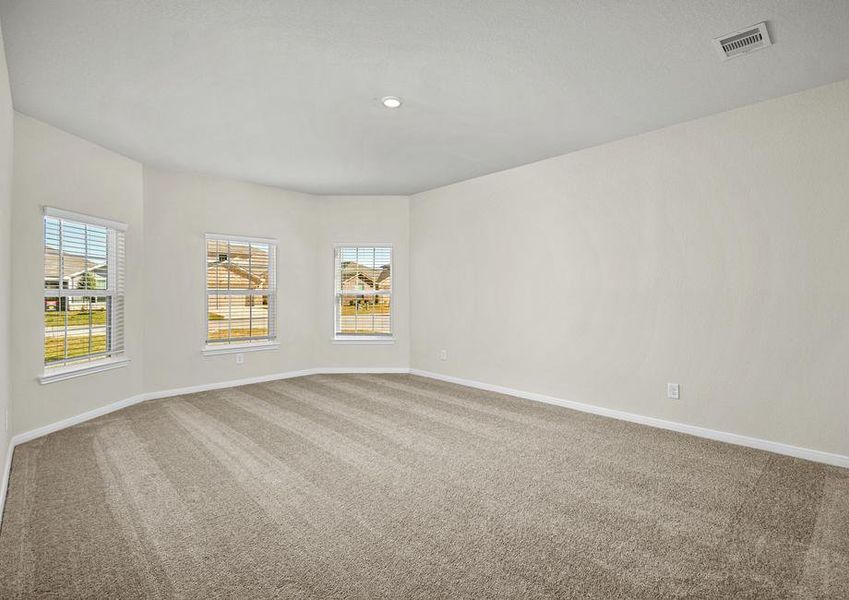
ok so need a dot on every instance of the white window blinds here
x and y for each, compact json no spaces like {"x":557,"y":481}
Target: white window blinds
{"x":83,"y":288}
{"x":363,"y":285}
{"x":241,"y":290}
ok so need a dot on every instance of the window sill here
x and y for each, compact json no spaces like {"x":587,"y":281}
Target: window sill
{"x":63,"y":373}
{"x":363,"y":339}
{"x":237,"y":348}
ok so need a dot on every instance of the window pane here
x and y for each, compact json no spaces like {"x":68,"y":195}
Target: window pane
{"x":240,"y":316}
{"x":84,"y":260}
{"x":51,"y":254}
{"x":259,"y":316}
{"x":217,"y":260}
{"x":79,"y":328}
{"x":259,"y":266}
{"x":382,"y":315}
{"x":383,"y":269}
{"x":54,"y":329}
{"x":99,"y":324}
{"x":352,"y":278}
{"x":218,"y":325}
{"x":365,"y":259}
{"x":239,"y":265}
{"x":95,"y":276}
{"x":347,"y":314}
{"x":364,"y":315}
{"x":75,"y":327}
{"x":237,"y":317}
{"x":73,"y":252}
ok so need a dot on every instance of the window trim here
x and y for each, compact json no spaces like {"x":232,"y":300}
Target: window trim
{"x":239,"y":346}
{"x":113,"y":360}
{"x":58,"y":213}
{"x":89,"y":368}
{"x":363,"y":339}
{"x":355,"y":339}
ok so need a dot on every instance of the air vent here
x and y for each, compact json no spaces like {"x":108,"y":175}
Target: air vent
{"x":742,"y":42}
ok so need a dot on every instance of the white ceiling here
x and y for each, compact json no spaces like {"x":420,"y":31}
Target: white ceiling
{"x":286,"y":92}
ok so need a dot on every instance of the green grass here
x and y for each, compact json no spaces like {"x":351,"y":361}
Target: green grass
{"x":237,"y":333}
{"x":54,"y":348}
{"x":57,"y":318}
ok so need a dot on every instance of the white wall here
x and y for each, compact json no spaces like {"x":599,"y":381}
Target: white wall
{"x":711,"y":253}
{"x":363,"y":220}
{"x":165,"y":287}
{"x":54,"y":168}
{"x":6,"y":129}
{"x":179,"y":209}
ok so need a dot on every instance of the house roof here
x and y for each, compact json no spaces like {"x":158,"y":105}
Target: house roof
{"x":74,"y":265}
{"x":241,"y":268}
{"x":240,"y":258}
{"x":90,"y":269}
{"x":380,"y":276}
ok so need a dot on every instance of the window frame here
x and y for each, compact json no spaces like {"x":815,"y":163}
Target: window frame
{"x":111,"y":359}
{"x":272,"y":343}
{"x":374,"y":339}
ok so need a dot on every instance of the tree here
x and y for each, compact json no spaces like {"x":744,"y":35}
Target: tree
{"x":87,"y":282}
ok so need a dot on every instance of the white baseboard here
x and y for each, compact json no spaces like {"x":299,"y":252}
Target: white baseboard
{"x":343,"y":370}
{"x":27,"y":436}
{"x":193,"y":389}
{"x":4,"y":484}
{"x":731,"y":438}
{"x":264,"y":378}
{"x":828,"y":458}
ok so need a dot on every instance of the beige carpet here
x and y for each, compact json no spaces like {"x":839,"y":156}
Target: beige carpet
{"x":394,"y":486}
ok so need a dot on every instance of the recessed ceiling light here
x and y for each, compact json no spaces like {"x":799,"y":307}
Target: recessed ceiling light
{"x":391,"y":101}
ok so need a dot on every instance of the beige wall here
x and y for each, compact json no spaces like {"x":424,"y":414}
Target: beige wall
{"x":54,"y":168}
{"x":712,"y":254}
{"x":179,"y":209}
{"x":363,"y":220}
{"x":6,"y":128}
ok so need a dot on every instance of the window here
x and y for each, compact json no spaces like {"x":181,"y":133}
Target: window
{"x":363,"y":292}
{"x":241,"y":292}
{"x":83,"y":292}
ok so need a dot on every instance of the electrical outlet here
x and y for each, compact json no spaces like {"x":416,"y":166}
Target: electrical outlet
{"x":673,"y":391}
{"x":443,"y":355}
{"x":240,"y":358}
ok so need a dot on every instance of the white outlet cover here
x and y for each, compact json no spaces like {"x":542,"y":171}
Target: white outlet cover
{"x":240,"y":358}
{"x":673,"y":391}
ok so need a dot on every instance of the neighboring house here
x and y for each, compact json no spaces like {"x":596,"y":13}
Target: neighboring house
{"x":235,"y":272}
{"x":80,"y":274}
{"x":92,"y":278}
{"x":384,"y":280}
{"x":359,"y":278}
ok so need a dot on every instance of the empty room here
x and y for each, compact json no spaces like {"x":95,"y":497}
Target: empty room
{"x":394,"y":299}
